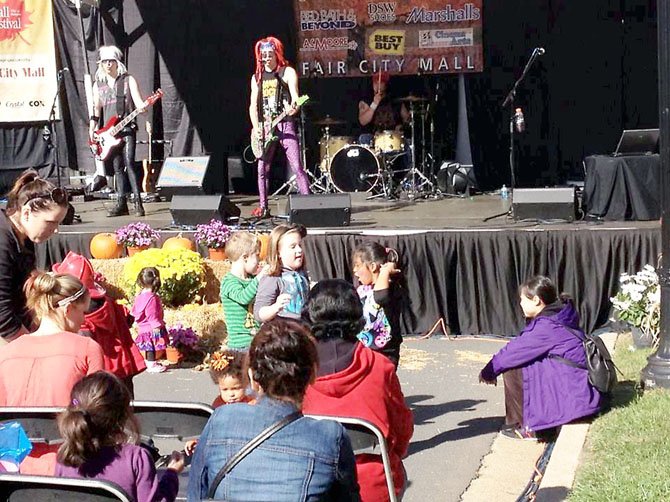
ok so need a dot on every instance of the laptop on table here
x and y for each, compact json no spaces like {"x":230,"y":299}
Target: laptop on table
{"x":637,"y":142}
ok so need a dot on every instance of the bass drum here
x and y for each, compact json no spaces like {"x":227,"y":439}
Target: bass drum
{"x":355,"y":168}
{"x":332,"y":146}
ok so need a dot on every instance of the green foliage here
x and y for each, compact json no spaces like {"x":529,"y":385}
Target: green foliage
{"x":182,"y":274}
{"x":625,"y":457}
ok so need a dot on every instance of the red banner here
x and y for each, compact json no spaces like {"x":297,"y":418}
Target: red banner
{"x":349,"y":38}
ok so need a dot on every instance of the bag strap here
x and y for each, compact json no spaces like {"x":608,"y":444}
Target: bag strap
{"x":566,"y":361}
{"x":248,"y":448}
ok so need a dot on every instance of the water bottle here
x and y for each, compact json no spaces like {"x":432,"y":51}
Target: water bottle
{"x":504,"y":193}
{"x":519,"y":121}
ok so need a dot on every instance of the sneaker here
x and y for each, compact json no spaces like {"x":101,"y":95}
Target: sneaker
{"x":522,"y":433}
{"x":154,"y":367}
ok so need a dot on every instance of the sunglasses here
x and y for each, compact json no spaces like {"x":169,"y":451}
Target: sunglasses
{"x":105,"y":61}
{"x":57,"y":195}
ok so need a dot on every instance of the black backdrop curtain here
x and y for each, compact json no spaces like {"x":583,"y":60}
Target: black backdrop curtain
{"x":597,"y":77}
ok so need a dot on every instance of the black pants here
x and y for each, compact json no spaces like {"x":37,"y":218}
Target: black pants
{"x":513,"y":380}
{"x":122,"y":162}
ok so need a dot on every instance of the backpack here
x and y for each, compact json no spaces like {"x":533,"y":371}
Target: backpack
{"x":601,"y":368}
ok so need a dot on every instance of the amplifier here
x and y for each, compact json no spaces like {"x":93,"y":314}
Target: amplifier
{"x":544,"y":204}
{"x":320,"y":210}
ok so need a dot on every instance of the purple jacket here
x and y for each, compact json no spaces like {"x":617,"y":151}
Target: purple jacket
{"x":130,"y":467}
{"x":553,"y":392}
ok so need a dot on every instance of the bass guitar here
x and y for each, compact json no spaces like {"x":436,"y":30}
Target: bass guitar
{"x":262,"y":141}
{"x":104,"y":139}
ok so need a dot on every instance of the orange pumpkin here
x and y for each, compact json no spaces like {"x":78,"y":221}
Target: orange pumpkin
{"x":179,"y":242}
{"x":104,"y":246}
{"x":264,"y":239}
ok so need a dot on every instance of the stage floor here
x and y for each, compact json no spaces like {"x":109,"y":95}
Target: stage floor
{"x":376,"y":216}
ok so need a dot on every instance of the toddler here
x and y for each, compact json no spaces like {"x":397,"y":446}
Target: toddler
{"x":147,"y":310}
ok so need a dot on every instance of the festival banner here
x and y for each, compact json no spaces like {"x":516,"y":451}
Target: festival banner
{"x":349,"y":38}
{"x":27,"y":60}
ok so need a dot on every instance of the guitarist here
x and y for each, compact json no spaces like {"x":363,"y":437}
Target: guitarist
{"x":115,"y":92}
{"x":274,"y":88}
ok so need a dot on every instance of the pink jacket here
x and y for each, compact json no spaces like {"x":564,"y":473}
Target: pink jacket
{"x":148,"y":312}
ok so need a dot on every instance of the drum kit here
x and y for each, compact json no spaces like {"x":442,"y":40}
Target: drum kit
{"x":378,"y":168}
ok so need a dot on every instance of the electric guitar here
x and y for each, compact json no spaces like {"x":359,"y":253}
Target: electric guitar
{"x":262,"y":141}
{"x":104,"y":139}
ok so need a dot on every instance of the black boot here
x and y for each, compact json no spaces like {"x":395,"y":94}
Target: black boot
{"x":121,"y":208}
{"x":139,"y":208}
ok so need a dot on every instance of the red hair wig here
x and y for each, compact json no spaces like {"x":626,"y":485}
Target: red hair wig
{"x":382,"y":76}
{"x":279,"y":51}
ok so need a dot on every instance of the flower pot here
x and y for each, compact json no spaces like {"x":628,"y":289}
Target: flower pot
{"x":641,"y":339}
{"x":173,"y":354}
{"x":217,"y":254}
{"x":135,"y":249}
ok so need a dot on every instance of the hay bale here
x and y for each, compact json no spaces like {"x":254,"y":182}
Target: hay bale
{"x":214,"y":273}
{"x":112,"y":273}
{"x":207,"y":320}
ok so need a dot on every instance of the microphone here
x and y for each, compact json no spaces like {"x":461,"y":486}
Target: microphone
{"x":364,"y":176}
{"x":539,"y":51}
{"x":63,"y":70}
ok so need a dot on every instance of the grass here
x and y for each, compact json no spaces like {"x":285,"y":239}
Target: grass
{"x":626,"y":454}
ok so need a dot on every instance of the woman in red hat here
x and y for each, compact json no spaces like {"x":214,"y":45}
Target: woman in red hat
{"x":106,"y":322}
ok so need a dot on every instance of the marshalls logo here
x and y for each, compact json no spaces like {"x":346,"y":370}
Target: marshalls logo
{"x":14,"y":18}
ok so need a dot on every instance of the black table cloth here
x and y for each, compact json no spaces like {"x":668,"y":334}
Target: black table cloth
{"x":623,"y":188}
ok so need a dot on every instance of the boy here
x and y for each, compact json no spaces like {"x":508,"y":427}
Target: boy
{"x":238,"y":289}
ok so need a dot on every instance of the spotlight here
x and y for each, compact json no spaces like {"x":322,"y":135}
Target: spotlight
{"x":455,"y":178}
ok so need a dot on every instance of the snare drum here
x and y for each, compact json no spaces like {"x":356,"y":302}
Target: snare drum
{"x":334,"y":144}
{"x":388,"y":141}
{"x":355,"y":168}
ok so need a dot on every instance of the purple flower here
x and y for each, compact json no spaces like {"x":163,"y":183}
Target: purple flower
{"x":182,"y":338}
{"x":214,"y":234}
{"x":137,"y":234}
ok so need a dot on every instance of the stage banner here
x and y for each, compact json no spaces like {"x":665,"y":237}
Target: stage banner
{"x":27,"y":60}
{"x":349,"y":38}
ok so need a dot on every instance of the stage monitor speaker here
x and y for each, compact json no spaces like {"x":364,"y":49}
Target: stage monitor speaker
{"x":322,"y":210}
{"x":195,"y":209}
{"x":190,"y":176}
{"x":544,"y":204}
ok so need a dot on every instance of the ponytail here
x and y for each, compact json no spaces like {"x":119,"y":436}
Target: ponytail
{"x":41,"y":194}
{"x":373,"y":252}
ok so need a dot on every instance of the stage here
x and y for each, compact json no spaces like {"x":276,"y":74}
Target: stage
{"x":456,"y":265}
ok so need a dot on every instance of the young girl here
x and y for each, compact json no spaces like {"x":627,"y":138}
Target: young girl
{"x":96,"y":444}
{"x":283,"y":292}
{"x":227,"y":371}
{"x":373,"y":267}
{"x":148,"y":313}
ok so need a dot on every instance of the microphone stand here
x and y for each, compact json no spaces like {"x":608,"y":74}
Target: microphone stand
{"x":509,"y":99}
{"x":49,"y":135}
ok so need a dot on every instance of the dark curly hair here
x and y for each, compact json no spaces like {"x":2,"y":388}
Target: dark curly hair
{"x":227,"y":363}
{"x":149,"y":277}
{"x":333,"y":310}
{"x":283,"y":359}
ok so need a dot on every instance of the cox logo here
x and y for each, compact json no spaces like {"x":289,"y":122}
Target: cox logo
{"x":35,"y":103}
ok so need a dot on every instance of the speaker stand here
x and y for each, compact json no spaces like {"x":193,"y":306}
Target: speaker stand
{"x":291,"y":184}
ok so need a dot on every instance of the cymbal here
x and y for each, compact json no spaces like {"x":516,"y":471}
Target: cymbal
{"x":329,"y":121}
{"x":411,"y":99}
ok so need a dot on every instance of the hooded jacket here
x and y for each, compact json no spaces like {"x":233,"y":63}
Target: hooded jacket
{"x":553,"y":392}
{"x":368,"y":388}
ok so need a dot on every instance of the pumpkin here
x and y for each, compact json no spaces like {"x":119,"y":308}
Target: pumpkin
{"x":179,"y":242}
{"x":264,"y":239}
{"x":104,"y":246}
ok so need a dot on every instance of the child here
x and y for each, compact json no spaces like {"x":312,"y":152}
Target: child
{"x":238,"y":289}
{"x":227,"y":371}
{"x":284,"y":290}
{"x":148,"y":313}
{"x":96,"y":444}
{"x":373,"y":267}
{"x":106,"y":322}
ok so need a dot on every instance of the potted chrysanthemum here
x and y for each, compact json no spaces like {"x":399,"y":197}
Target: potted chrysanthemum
{"x":181,"y":340}
{"x":214,"y":236}
{"x":137,"y":237}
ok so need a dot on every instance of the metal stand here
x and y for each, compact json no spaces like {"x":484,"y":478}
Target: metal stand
{"x":324,"y":182}
{"x":49,"y":134}
{"x":289,"y":185}
{"x":414,"y":172}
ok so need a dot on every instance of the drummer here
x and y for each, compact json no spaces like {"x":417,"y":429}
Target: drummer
{"x":382,"y":113}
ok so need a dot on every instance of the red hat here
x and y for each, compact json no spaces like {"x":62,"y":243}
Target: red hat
{"x":79,"y":266}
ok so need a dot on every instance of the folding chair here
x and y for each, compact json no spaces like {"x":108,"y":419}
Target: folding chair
{"x":39,"y":422}
{"x":366,"y":438}
{"x":171,"y":420}
{"x":23,"y":488}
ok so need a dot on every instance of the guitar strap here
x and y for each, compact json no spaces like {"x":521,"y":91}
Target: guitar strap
{"x":120,"y":89}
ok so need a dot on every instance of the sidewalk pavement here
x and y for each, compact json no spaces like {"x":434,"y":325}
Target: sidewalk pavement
{"x":507,"y":469}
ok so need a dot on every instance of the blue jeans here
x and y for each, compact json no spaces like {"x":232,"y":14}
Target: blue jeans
{"x":308,"y":460}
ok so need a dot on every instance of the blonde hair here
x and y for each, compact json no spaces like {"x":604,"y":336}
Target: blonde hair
{"x":45,"y":291}
{"x":276,"y":236}
{"x":242,"y":243}
{"x":110,"y":52}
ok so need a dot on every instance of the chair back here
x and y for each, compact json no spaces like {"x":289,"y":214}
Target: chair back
{"x":38,"y":422}
{"x":171,"y":420}
{"x":366,"y":438}
{"x":25,"y":488}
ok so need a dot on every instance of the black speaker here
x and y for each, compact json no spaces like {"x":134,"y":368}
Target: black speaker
{"x":190,"y":176}
{"x":544,"y":204}
{"x":242,"y":176}
{"x":323,"y":210}
{"x":195,"y":209}
{"x":456,"y":178}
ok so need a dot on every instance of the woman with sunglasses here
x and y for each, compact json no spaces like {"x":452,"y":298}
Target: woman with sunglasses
{"x":35,"y":208}
{"x":116,"y":93}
